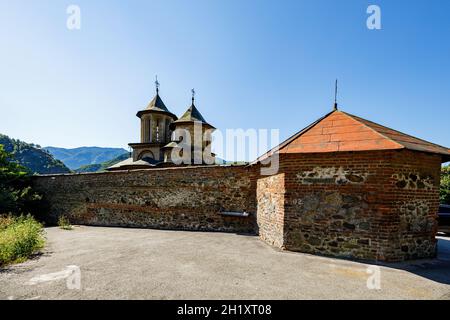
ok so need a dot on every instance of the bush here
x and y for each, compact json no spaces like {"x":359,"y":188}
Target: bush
{"x":444,"y":192}
{"x":64,"y":223}
{"x":16,"y":194}
{"x":19,"y":238}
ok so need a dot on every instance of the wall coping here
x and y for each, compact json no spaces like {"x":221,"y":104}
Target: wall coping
{"x":139,"y":170}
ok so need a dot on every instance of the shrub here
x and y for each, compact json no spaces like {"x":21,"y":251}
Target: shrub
{"x":444,"y":192}
{"x":5,"y":221}
{"x":64,"y":223}
{"x":16,"y":194}
{"x":19,"y":238}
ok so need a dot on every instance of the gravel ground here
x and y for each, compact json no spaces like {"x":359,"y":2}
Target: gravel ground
{"x":118,"y":263}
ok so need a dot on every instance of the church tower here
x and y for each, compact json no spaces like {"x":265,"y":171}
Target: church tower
{"x":156,"y":131}
{"x":191,"y":123}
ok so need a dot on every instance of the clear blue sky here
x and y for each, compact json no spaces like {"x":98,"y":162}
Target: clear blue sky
{"x":254,"y":64}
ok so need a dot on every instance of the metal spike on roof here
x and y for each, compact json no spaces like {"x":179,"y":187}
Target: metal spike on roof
{"x":335,"y":95}
{"x":157,"y":85}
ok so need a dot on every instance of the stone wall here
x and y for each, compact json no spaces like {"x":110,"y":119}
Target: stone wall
{"x":377,"y":205}
{"x":270,"y":217}
{"x":188,"y":198}
{"x":415,"y":184}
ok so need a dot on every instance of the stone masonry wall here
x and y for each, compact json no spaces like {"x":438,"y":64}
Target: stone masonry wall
{"x":415,"y":184}
{"x":188,"y":198}
{"x":377,"y":205}
{"x":270,"y":215}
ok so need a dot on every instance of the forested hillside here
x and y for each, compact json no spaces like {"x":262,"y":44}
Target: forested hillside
{"x":32,"y":156}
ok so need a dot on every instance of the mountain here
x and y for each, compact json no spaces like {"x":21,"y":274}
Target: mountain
{"x":79,"y":157}
{"x":231,"y":163}
{"x":31,"y":156}
{"x":102,"y":166}
{"x":98,"y":167}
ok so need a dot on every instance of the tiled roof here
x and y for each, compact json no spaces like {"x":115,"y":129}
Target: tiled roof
{"x":156,"y":105}
{"x":339,"y":131}
{"x":192,"y":115}
{"x":129,"y":162}
{"x":407,"y":141}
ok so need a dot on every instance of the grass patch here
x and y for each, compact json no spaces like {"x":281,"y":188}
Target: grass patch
{"x":20,"y":237}
{"x":64,"y":223}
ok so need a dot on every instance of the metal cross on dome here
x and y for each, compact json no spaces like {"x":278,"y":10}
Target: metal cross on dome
{"x":157,"y":85}
{"x":193,"y":95}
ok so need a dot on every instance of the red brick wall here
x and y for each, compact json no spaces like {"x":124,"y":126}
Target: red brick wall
{"x":350,"y":204}
{"x":188,"y":198}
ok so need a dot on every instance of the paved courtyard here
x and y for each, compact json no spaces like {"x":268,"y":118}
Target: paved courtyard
{"x":117,"y":263}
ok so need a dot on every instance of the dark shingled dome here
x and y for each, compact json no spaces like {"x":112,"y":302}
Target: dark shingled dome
{"x":192,"y":115}
{"x":156,"y":105}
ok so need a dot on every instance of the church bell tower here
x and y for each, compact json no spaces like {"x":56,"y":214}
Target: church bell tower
{"x":156,"y":131}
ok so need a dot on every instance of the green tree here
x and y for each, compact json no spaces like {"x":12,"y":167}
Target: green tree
{"x":444,"y":192}
{"x":16,"y":194}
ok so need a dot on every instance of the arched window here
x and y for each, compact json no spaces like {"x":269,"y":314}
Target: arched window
{"x":167,"y":133}
{"x":148,"y":132}
{"x":147,"y":155}
{"x":157,"y":130}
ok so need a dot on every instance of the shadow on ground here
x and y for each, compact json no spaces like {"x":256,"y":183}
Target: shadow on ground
{"x":21,"y":268}
{"x":433,"y":269}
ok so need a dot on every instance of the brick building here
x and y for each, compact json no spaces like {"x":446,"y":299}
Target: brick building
{"x":350,"y":187}
{"x":345,"y":187}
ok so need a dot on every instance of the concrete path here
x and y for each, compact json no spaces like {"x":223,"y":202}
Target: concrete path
{"x":116,"y":263}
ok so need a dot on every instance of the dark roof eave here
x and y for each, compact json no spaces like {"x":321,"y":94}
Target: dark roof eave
{"x":130,"y":167}
{"x":206,"y":124}
{"x":146,"y":144}
{"x":146,"y":111}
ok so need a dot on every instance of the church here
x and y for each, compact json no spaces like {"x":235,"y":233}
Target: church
{"x":167,"y":140}
{"x":344,"y":187}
